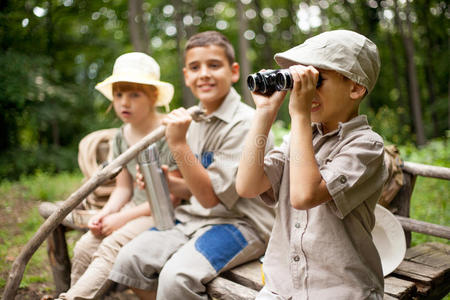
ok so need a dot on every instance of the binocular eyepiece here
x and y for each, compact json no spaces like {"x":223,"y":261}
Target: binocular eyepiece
{"x":269,"y":81}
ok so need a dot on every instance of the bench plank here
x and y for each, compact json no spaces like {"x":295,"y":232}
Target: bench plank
{"x":433,"y":254}
{"x":399,"y":288}
{"x":224,"y":289}
{"x":248,"y":275}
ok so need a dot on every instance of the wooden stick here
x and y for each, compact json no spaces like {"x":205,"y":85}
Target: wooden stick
{"x":424,"y":227}
{"x":110,"y":171}
{"x":426,"y":170}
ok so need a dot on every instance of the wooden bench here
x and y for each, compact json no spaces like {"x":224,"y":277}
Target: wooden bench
{"x":424,"y":272}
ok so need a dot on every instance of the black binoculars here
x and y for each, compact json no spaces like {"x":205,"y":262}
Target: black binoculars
{"x":269,"y":81}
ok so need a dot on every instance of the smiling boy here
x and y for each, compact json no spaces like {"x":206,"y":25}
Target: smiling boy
{"x":217,"y":230}
{"x":326,"y":177}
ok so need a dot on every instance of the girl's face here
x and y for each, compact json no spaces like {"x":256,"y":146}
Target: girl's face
{"x":133,"y":105}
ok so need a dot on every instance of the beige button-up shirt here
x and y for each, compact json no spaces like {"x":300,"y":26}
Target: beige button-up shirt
{"x":217,"y":143}
{"x":327,"y":252}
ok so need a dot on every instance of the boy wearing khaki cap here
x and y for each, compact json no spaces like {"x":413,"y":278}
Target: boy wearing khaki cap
{"x":326,"y":177}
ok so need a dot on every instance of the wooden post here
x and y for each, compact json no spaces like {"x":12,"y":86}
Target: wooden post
{"x":400,"y":205}
{"x":59,"y":259}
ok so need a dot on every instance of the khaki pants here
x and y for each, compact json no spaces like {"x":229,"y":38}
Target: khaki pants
{"x":179,"y":266}
{"x":94,"y":257}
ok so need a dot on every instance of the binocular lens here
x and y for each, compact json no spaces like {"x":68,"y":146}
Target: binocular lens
{"x":251,"y":82}
{"x":283,"y":80}
{"x":270,"y":81}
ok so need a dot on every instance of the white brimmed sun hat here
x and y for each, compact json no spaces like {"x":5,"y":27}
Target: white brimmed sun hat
{"x":139,"y":68}
{"x":389,"y":239}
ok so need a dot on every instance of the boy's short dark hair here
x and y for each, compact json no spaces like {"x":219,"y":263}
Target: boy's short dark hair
{"x":208,"y":38}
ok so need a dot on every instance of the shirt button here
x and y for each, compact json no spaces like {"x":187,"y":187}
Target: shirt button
{"x":297,"y":225}
{"x":296,"y":258}
{"x":342,"y":179}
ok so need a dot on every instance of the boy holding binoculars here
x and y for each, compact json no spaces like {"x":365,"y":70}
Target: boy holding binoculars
{"x":325,"y":179}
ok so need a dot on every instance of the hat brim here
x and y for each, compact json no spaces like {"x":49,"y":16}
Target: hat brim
{"x":389,"y":239}
{"x":165,"y":89}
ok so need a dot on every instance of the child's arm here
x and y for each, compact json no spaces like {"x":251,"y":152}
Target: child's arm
{"x":307,"y":188}
{"x":194,"y":174}
{"x":251,"y":180}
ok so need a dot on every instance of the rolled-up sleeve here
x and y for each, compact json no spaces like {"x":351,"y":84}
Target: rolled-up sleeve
{"x":354,"y":174}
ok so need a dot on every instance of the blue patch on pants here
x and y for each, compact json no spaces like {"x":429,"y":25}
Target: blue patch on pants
{"x":220,"y":244}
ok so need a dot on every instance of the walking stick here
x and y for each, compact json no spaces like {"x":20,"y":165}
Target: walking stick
{"x":110,"y":171}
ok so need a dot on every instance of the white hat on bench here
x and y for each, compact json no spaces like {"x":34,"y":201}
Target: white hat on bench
{"x":389,"y":239}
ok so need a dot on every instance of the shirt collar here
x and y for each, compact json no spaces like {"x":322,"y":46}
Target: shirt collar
{"x":226,"y":110}
{"x":358,"y":122}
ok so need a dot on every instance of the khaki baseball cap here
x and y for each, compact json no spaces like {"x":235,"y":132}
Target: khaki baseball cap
{"x":347,"y":52}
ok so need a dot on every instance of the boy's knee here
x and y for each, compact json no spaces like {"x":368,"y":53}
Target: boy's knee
{"x":125,"y":255}
{"x":173,"y":279}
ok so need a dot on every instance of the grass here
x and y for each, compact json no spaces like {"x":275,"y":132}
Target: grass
{"x":21,"y":219}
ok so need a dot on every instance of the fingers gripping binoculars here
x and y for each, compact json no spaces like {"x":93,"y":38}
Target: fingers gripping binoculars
{"x":267,"y":82}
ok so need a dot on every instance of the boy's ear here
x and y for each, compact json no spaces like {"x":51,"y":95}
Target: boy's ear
{"x":186,"y":74}
{"x":357,"y":91}
{"x":235,"y":72}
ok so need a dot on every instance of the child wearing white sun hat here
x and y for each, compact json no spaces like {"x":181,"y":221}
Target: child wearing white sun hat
{"x":135,"y":90}
{"x":139,"y":68}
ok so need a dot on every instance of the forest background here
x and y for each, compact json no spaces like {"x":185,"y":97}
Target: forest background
{"x":53,"y":52}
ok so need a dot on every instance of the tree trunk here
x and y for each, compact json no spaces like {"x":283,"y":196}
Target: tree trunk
{"x":413,"y":85}
{"x":398,"y":83}
{"x":188,"y":99}
{"x":429,"y":69}
{"x":137,"y":27}
{"x":243,"y":48}
{"x":292,"y":12}
{"x":267,"y":53}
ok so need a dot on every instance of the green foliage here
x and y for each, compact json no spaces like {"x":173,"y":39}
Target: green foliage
{"x":279,"y":131}
{"x":54,"y":52}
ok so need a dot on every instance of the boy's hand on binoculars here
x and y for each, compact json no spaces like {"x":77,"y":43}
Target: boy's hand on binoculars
{"x":305,"y":81}
{"x":268,"y":103}
{"x":177,"y":124}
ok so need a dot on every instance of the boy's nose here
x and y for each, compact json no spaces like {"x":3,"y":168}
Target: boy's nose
{"x":204,"y":71}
